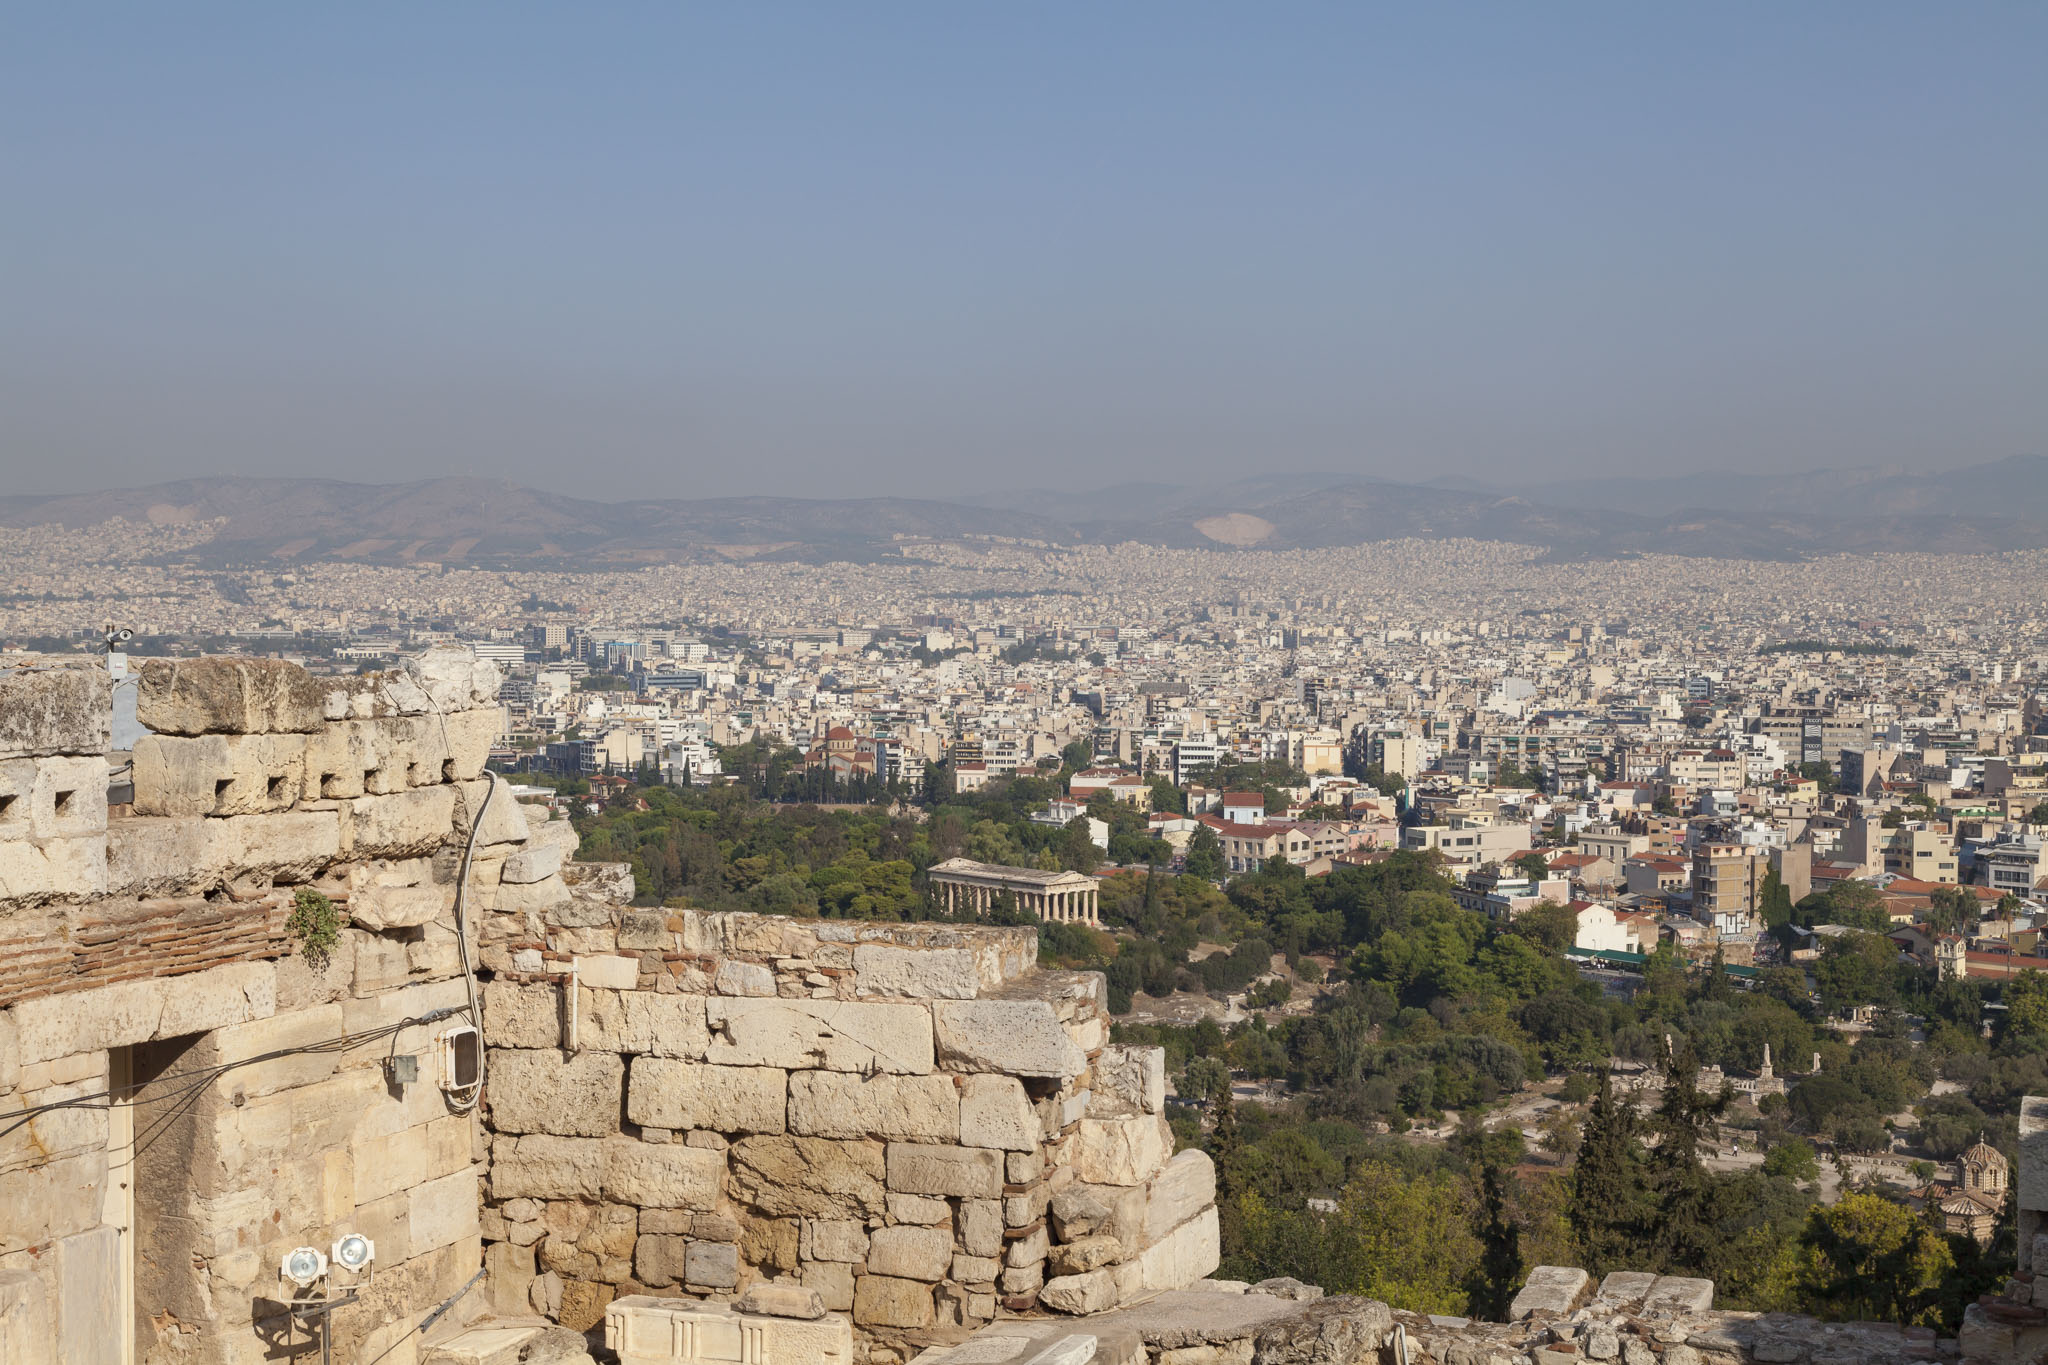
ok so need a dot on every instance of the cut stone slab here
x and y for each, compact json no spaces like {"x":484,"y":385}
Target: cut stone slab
{"x":1678,"y":1295}
{"x":1005,"y":1037}
{"x":1549,"y":1289}
{"x":820,"y":1035}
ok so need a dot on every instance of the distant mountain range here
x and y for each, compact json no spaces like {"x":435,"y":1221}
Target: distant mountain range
{"x":1997,"y":506}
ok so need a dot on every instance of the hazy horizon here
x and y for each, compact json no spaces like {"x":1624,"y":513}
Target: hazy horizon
{"x":915,"y":250}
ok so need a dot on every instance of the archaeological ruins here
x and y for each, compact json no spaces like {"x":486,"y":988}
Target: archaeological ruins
{"x":295,"y":969}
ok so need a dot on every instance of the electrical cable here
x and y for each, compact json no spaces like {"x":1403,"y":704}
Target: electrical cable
{"x":198,"y":1080}
{"x":467,"y":1102}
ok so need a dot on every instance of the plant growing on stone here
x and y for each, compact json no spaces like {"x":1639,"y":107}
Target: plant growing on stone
{"x":316,"y":924}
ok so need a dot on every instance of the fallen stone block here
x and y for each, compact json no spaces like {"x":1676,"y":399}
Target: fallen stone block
{"x":1092,"y":1292}
{"x":1550,"y":1289}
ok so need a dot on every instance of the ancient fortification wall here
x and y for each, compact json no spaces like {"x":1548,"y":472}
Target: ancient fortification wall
{"x":912,"y":1122}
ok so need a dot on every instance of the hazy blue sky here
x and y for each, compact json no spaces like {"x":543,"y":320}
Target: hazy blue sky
{"x":684,"y":249}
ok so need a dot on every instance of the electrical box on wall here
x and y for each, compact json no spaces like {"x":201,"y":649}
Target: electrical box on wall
{"x":460,"y":1051}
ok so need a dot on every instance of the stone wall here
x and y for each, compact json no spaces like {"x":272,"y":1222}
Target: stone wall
{"x":912,"y":1120}
{"x":147,"y":942}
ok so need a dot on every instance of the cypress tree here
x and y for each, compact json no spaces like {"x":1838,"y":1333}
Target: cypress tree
{"x":1607,"y":1190}
{"x":1226,"y":1152}
{"x":1500,"y":1265}
{"x":1683,"y":1225}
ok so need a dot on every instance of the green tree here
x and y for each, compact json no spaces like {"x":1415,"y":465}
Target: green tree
{"x":1858,"y":969}
{"x":1500,"y":1260}
{"x":2026,"y":1008}
{"x":1868,"y":1258}
{"x":1206,"y":1078}
{"x":1776,"y":900}
{"x":1608,"y":1209}
{"x":1951,"y":910}
{"x":1794,"y":1159}
{"x":1682,"y":1190}
{"x":1204,"y":854}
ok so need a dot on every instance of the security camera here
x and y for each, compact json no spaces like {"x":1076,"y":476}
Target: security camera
{"x":303,"y":1266}
{"x":354,"y":1252}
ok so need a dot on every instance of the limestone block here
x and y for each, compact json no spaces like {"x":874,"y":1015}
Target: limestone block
{"x":396,"y":895}
{"x":1626,"y":1289}
{"x":1007,"y":1037}
{"x":168,"y":857}
{"x":607,"y":971}
{"x":2031,"y":1179}
{"x":1183,"y":1189}
{"x":659,"y":1258}
{"x":131,"y":1012}
{"x":25,"y":1327}
{"x":503,"y":821}
{"x":995,"y":1112}
{"x":408,"y":824}
{"x":85,"y":1273}
{"x":53,"y":869}
{"x":544,"y":1167}
{"x":954,"y":1172}
{"x":236,"y":1043}
{"x":1028,"y":1249}
{"x":218,"y":774}
{"x":1093,"y":1292}
{"x":920,"y":1209}
{"x":743,"y":978}
{"x":544,"y":898}
{"x":828,"y":1035}
{"x":544,"y":1092}
{"x":808,"y":1177}
{"x":662,"y":1175}
{"x":833,"y":1283}
{"x":839,"y":1105}
{"x":975,"y":1269}
{"x":665,"y":1092}
{"x":1121,"y":1151}
{"x":339,"y":757}
{"x":531,"y":864}
{"x":910,"y":1253}
{"x":780,"y":1301}
{"x":453,"y":678}
{"x":833,"y":1239}
{"x":524,"y":1016}
{"x":646,"y":931}
{"x":66,"y":709}
{"x":979,"y":1226}
{"x":642,"y":1022}
{"x":1078,"y":1258}
{"x":915,"y":973}
{"x":882,"y":1301}
{"x":50,"y":1200}
{"x":1023,"y":1279}
{"x":715,"y":1265}
{"x":612,"y":882}
{"x":644,"y":1330}
{"x":226,"y":696}
{"x":1128,"y":1080}
{"x":1191,"y":1252}
{"x":469,"y":736}
{"x":65,"y":798}
{"x":1549,"y":1289}
{"x":1080,"y":1211}
{"x":442,"y":1212}
{"x":1678,"y":1295}
{"x":385,"y":1164}
{"x":10,"y":1053}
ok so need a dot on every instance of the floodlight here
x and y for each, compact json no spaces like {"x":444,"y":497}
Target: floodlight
{"x":354,"y":1252}
{"x":303,"y":1265}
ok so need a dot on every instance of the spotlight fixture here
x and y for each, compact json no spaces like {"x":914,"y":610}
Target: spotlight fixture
{"x":303,"y":1266}
{"x":354,"y":1252}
